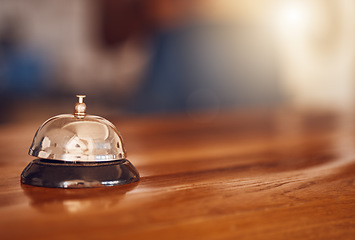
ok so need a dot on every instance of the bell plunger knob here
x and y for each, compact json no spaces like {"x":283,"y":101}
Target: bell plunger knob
{"x":80,"y":107}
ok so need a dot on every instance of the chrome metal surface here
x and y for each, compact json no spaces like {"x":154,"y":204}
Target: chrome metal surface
{"x":67,"y":138}
{"x":78,"y":137}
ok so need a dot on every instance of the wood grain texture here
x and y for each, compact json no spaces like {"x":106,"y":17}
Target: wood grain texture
{"x":241,"y":175}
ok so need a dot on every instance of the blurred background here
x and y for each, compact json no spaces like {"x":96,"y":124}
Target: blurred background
{"x":166,"y":56}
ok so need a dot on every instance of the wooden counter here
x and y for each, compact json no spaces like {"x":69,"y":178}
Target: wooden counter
{"x":242,"y":175}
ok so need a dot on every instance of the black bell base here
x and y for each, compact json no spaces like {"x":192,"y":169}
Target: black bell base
{"x":54,"y":174}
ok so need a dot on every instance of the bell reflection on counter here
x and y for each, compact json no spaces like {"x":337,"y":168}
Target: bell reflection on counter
{"x":78,"y":151}
{"x":77,"y":200}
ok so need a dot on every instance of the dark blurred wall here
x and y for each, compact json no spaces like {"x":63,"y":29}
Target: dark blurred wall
{"x":195,"y":64}
{"x":202,"y":66}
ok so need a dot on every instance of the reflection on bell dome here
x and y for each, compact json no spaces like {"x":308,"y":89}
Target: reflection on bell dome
{"x":67,"y":138}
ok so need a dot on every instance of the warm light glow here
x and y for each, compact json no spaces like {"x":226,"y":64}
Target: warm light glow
{"x":316,"y":45}
{"x":293,"y":17}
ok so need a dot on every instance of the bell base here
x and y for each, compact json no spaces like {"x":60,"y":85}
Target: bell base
{"x":54,"y":174}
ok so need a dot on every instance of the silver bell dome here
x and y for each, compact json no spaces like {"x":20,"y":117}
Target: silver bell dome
{"x":78,"y":137}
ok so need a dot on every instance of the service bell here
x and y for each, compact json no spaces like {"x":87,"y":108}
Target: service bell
{"x":78,"y":151}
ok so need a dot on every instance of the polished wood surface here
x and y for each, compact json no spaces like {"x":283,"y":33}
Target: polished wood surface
{"x":242,"y":175}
